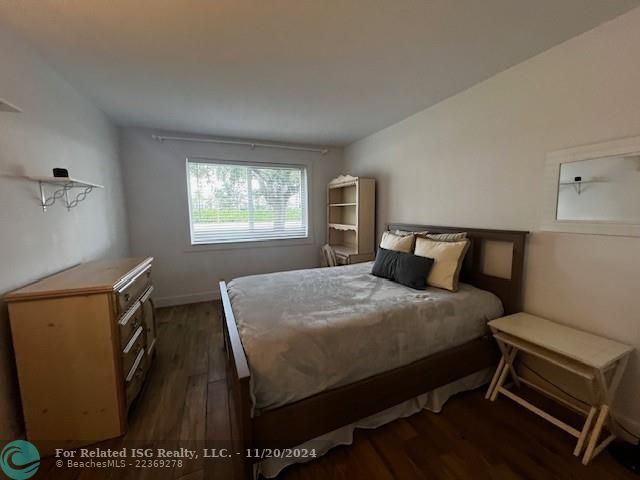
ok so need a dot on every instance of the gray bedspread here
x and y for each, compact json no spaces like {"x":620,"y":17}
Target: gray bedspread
{"x":306,"y":331}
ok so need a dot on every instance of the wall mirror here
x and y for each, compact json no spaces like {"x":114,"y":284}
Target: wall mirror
{"x":594,"y":189}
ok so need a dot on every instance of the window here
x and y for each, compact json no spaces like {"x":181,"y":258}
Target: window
{"x":239,"y":202}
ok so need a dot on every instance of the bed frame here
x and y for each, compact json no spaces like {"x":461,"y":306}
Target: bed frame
{"x":292,"y":424}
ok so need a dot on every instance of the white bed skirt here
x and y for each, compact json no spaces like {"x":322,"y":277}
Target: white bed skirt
{"x":432,"y":401}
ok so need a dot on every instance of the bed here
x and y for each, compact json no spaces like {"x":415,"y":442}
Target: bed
{"x":329,"y":348}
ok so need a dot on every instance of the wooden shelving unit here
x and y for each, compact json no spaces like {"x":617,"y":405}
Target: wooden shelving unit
{"x":351,"y":218}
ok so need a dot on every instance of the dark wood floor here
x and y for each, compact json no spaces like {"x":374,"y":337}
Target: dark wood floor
{"x":184,"y":404}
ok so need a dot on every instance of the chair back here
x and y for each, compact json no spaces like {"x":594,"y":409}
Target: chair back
{"x":329,"y":255}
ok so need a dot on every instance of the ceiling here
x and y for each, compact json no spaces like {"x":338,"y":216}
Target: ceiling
{"x":310,"y":71}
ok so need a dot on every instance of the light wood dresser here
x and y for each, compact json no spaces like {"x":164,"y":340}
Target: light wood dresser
{"x":84,"y":340}
{"x":351,"y":218}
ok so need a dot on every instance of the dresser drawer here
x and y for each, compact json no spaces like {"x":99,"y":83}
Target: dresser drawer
{"x":131,"y":291}
{"x":135,"y":378}
{"x":129,"y":322}
{"x":132,"y":350}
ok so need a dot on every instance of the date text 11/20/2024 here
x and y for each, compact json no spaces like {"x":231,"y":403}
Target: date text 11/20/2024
{"x":182,"y":453}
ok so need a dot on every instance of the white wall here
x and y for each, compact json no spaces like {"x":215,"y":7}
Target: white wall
{"x":58,"y":128}
{"x":156,"y":185}
{"x":477,"y":160}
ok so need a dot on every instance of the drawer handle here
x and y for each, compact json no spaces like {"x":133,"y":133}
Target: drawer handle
{"x":133,"y":341}
{"x":130,"y":313}
{"x":134,"y":369}
{"x":132,"y":281}
{"x":145,"y":296}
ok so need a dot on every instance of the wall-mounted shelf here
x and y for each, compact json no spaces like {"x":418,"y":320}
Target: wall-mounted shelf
{"x":578,"y":184}
{"x":61,"y":187}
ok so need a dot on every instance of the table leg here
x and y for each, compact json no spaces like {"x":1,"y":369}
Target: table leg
{"x":607,"y":394}
{"x":509,"y":362}
{"x":503,"y":375}
{"x":494,"y":380}
{"x":505,"y":349}
{"x":585,"y":430}
{"x":595,"y":435}
{"x":509,"y":356}
{"x":613,"y":387}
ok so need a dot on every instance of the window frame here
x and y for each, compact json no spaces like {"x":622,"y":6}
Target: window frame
{"x":306,"y":166}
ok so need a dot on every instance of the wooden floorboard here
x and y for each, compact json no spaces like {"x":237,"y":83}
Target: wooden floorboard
{"x":184,"y":404}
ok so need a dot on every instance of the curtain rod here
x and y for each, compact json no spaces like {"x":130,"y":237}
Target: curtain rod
{"x":162,"y":138}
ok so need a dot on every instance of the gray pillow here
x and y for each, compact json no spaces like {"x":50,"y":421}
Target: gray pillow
{"x":443,"y":237}
{"x":440,"y":237}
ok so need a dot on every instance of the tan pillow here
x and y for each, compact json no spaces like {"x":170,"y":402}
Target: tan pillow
{"x":396,"y":242}
{"x":447,"y":256}
{"x":444,"y":237}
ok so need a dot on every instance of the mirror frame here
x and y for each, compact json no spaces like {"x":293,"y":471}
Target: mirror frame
{"x":625,"y":146}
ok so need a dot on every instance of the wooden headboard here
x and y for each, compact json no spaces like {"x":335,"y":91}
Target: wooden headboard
{"x":509,"y":290}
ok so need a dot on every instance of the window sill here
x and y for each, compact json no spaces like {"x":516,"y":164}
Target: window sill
{"x":248,"y":244}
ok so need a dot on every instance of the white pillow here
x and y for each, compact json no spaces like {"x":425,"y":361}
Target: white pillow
{"x":447,"y":256}
{"x":397,"y":243}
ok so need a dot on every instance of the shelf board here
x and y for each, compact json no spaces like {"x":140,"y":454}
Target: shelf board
{"x":343,"y":204}
{"x":342,"y":226}
{"x":343,"y":181}
{"x":64,"y":181}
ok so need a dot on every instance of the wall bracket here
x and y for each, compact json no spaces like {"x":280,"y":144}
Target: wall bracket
{"x":62,"y":188}
{"x":70,"y":190}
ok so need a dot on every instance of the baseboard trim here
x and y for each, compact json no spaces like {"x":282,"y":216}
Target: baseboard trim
{"x":174,"y":300}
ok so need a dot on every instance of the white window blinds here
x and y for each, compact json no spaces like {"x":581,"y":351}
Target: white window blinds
{"x":239,"y":202}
